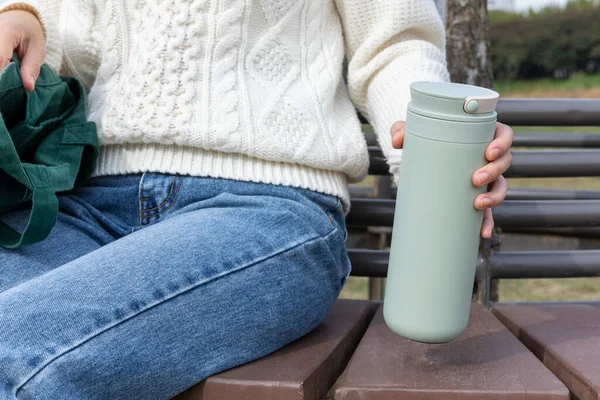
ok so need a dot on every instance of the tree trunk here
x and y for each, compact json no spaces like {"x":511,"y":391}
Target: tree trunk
{"x":468,"y":45}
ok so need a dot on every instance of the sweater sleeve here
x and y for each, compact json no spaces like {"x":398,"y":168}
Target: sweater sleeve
{"x":390,"y":44}
{"x":47,"y":12}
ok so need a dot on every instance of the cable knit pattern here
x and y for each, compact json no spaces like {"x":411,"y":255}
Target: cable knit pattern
{"x":316,"y":65}
{"x":158,"y":81}
{"x":81,"y":54}
{"x":244,"y":89}
{"x":270,"y":63}
{"x":316,"y":56}
{"x":225,"y":96}
{"x":276,"y":10}
{"x":113,"y":52}
{"x":291,"y":125}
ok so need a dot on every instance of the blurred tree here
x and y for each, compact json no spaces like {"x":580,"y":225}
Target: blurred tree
{"x":547,"y":43}
{"x":582,"y":4}
{"x":547,"y":10}
{"x":468,"y":47}
{"x":499,"y":16}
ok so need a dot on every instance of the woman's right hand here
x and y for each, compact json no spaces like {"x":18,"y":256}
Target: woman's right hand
{"x":22,"y":32}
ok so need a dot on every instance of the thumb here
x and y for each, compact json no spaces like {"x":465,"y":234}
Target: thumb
{"x":397,"y":132}
{"x":32,"y":63}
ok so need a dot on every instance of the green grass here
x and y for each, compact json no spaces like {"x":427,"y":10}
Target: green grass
{"x":579,"y":81}
{"x":563,"y":289}
{"x":356,"y":288}
{"x":556,"y":183}
{"x":511,"y":290}
{"x":550,"y":129}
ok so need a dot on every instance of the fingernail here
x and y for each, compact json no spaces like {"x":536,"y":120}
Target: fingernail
{"x":486,"y":203}
{"x":483,"y":177}
{"x":495,"y":153}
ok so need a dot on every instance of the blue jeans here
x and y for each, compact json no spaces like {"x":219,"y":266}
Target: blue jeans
{"x":150,"y":283}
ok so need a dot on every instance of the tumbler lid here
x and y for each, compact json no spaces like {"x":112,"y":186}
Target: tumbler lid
{"x":453,"y":101}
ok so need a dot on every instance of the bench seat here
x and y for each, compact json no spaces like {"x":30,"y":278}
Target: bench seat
{"x":486,"y":362}
{"x":304,"y":370}
{"x":566,"y":337}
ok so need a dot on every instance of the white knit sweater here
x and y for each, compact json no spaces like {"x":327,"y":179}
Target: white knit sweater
{"x":244,"y":89}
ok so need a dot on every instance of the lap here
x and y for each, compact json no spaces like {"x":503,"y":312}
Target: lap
{"x":216,"y":284}
{"x":89,"y":219}
{"x":69,"y":239}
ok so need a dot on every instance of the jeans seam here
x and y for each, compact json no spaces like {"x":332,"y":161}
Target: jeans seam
{"x":329,"y":213}
{"x":173,"y":295}
{"x":140,"y":206}
{"x":325,"y":239}
{"x":337,"y":204}
{"x":172,"y":190}
{"x":171,"y":198}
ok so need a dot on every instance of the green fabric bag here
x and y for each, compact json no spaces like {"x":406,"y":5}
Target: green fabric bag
{"x":46,"y":147}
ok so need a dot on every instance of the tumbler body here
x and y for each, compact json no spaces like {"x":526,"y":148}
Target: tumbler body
{"x":436,"y":232}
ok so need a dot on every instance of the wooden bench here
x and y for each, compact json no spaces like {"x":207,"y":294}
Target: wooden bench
{"x":518,"y":351}
{"x":305,"y":369}
{"x":566,"y":337}
{"x":486,"y":362}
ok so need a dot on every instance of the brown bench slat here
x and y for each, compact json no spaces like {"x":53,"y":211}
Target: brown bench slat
{"x":304,"y":370}
{"x":486,"y":362}
{"x":566,"y":337}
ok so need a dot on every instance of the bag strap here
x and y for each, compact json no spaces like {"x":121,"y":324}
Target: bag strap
{"x":42,"y":219}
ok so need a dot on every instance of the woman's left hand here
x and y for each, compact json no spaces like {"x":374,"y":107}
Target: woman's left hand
{"x":500,"y":159}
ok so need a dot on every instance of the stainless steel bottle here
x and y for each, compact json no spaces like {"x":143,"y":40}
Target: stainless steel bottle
{"x":437,"y":227}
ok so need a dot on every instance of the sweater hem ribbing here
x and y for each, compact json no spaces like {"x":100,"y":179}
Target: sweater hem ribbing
{"x":173,"y":159}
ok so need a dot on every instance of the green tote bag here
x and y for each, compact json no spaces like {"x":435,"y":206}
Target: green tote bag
{"x":46,"y":147}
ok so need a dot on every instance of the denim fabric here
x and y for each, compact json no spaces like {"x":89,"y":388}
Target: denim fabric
{"x":148,"y":284}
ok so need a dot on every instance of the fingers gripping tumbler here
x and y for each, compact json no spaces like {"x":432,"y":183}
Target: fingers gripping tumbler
{"x":436,"y":232}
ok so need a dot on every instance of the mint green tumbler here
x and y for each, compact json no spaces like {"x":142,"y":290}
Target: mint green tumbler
{"x":436,"y":233}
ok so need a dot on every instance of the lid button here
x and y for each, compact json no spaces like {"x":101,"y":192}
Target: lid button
{"x":472,"y":106}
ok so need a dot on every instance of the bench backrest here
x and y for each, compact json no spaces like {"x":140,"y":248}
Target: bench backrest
{"x":541,"y":211}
